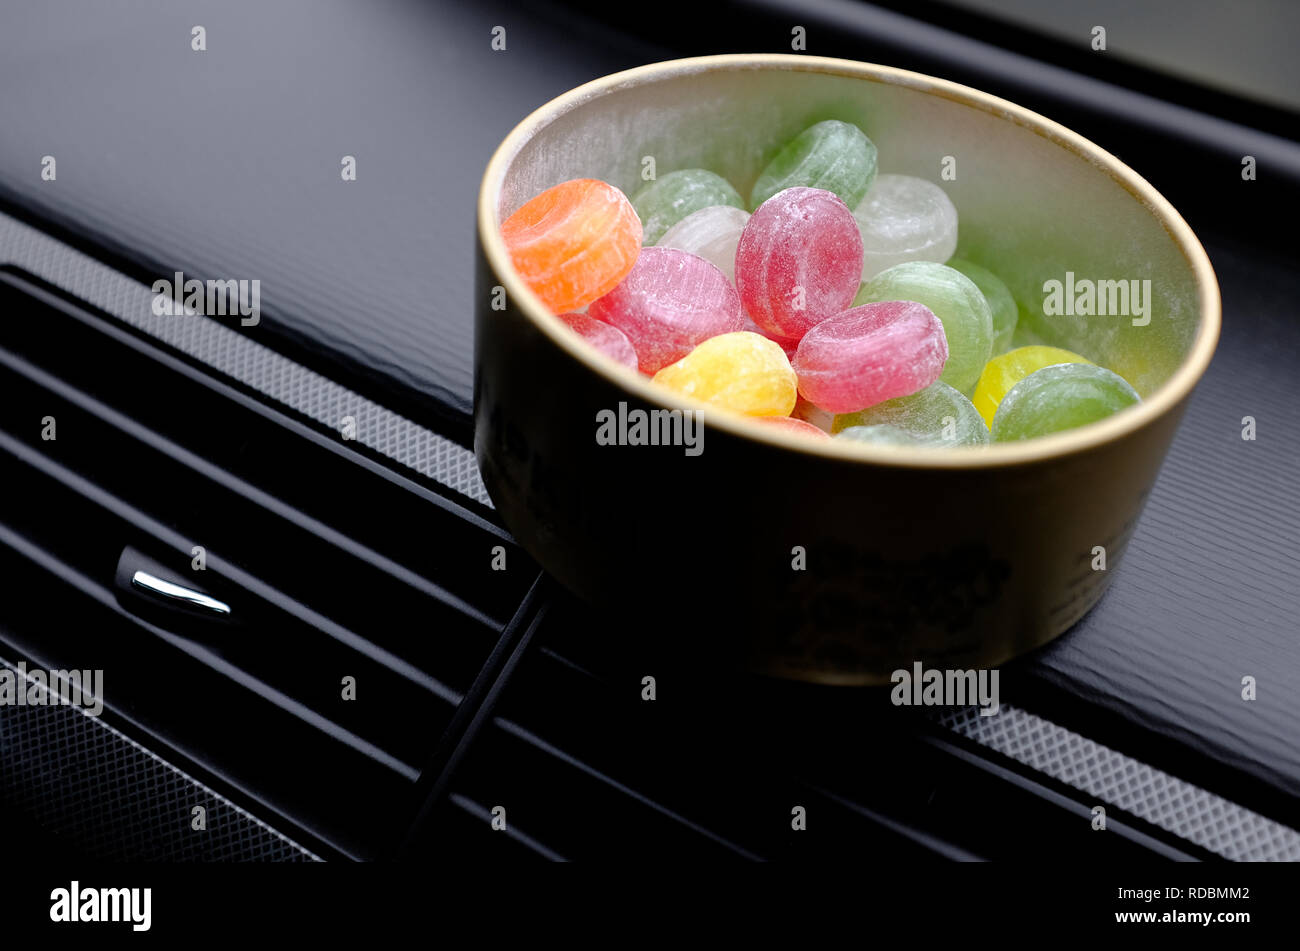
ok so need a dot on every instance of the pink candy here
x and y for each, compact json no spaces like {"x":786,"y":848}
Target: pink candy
{"x":869,"y":354}
{"x":607,"y":339}
{"x":670,"y":302}
{"x":799,"y":261}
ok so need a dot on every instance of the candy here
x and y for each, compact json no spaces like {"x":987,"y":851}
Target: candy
{"x":1005,"y":371}
{"x":955,"y":300}
{"x":667,"y":200}
{"x":904,"y":218}
{"x":799,"y":261}
{"x":790,"y":424}
{"x":935,"y":416}
{"x":712,"y":233}
{"x":738,"y":371}
{"x":1060,"y":397}
{"x":869,"y":354}
{"x":831,"y":155}
{"x":1002,"y":306}
{"x":882,"y":434}
{"x":607,"y":339}
{"x":670,"y":302}
{"x":573,"y":242}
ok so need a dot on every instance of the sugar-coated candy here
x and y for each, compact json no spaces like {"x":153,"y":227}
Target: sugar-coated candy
{"x":1060,"y":397}
{"x":791,"y":424}
{"x":573,"y":242}
{"x":669,"y":303}
{"x":954,"y":298}
{"x":741,"y":371}
{"x":869,"y":354}
{"x":671,"y":197}
{"x":1002,"y":305}
{"x":799,"y":261}
{"x":608,"y":339}
{"x":1006,"y":370}
{"x":712,"y":233}
{"x":935,"y":416}
{"x":904,"y":218}
{"x":832,"y":155}
{"x":882,"y":434}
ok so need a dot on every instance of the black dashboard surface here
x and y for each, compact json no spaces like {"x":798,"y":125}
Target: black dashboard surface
{"x":227,"y":162}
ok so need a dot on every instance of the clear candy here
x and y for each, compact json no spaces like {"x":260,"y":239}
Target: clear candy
{"x":740,"y":371}
{"x":1006,"y":370}
{"x":669,"y":303}
{"x":869,"y":354}
{"x":904,"y":218}
{"x":1060,"y":397}
{"x":671,"y":197}
{"x":831,"y":155}
{"x":799,"y":261}
{"x":935,"y":416}
{"x":1002,"y":305}
{"x":712,"y":233}
{"x":955,"y":300}
{"x":573,"y":242}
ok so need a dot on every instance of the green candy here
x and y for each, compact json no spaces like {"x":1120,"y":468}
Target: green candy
{"x":832,"y":155}
{"x":882,"y":434}
{"x":1001,"y":304}
{"x":1058,"y":398}
{"x":935,"y":416}
{"x":955,"y":300}
{"x":667,"y":200}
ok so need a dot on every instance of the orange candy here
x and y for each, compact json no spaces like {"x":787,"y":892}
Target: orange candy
{"x":574,"y":242}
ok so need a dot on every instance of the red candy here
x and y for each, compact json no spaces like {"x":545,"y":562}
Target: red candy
{"x":799,"y":261}
{"x":607,"y":339}
{"x":793,"y":425}
{"x":869,"y":354}
{"x":670,"y":302}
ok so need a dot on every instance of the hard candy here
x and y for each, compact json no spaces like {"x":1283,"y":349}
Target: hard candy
{"x":955,"y":300}
{"x":743,"y":372}
{"x":573,"y":242}
{"x":607,"y":339}
{"x":1006,"y":370}
{"x":881,"y":434}
{"x":712,"y":233}
{"x":904,"y":218}
{"x":935,"y":416}
{"x":869,"y":354}
{"x":669,"y":303}
{"x":670,"y":198}
{"x":799,"y":261}
{"x":1002,"y":305}
{"x":1060,"y":397}
{"x":790,"y":424}
{"x":831,"y":155}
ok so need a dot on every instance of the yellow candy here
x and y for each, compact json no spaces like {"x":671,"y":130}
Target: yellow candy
{"x":741,"y":371}
{"x":1005,"y":371}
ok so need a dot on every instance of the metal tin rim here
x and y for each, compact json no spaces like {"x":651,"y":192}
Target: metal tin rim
{"x":1164,"y":400}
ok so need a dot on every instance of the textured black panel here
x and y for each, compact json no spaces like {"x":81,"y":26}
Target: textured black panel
{"x":113,"y":799}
